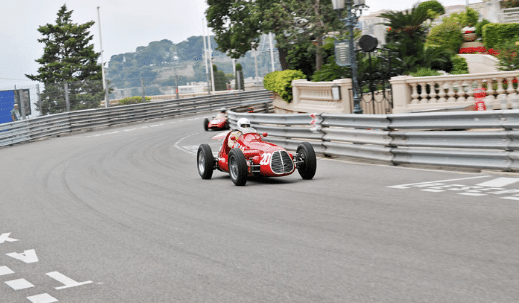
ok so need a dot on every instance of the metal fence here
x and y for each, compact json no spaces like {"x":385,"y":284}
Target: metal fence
{"x":82,"y":120}
{"x":475,"y":140}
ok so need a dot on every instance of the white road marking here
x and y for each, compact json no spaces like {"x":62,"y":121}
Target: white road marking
{"x":432,"y":183}
{"x":4,"y":271}
{"x":511,"y":198}
{"x":182,"y":148}
{"x":499,"y":182}
{"x":28,"y":256}
{"x":66,"y":281}
{"x":43,"y":298}
{"x":5,"y":238}
{"x":19,"y":284}
{"x":472,"y":194}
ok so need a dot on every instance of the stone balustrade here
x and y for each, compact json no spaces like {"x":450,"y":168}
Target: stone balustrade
{"x":414,"y":94}
{"x":410,"y":94}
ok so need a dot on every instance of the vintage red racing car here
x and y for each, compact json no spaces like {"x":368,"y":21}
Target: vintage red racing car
{"x":250,"y":156}
{"x":217,"y":122}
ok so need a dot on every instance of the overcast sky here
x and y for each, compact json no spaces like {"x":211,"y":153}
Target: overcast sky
{"x":125,"y":25}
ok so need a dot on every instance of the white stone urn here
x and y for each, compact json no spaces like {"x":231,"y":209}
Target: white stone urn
{"x":469,"y":33}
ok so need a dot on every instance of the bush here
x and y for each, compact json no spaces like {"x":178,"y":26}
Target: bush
{"x":280,"y":82}
{"x":479,"y":27}
{"x":133,"y":100}
{"x":446,"y":35}
{"x":508,"y":56}
{"x":433,"y":5}
{"x":459,"y":65}
{"x":425,"y":72}
{"x":495,"y":34}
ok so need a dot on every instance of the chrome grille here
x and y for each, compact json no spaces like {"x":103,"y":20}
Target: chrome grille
{"x":281,"y":162}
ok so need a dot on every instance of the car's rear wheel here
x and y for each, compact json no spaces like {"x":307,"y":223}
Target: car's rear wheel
{"x":308,"y":161}
{"x":205,"y":161}
{"x":238,"y":167}
{"x":206,"y":124}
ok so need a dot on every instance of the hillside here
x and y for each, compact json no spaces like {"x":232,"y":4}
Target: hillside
{"x":158,"y":63}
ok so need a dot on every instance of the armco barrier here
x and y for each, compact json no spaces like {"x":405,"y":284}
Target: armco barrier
{"x":475,"y":140}
{"x":59,"y":124}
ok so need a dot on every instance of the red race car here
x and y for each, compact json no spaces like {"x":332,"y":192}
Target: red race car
{"x":244,"y":153}
{"x":217,"y":122}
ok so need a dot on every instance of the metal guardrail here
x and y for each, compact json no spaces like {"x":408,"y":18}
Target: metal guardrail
{"x":58,"y":124}
{"x":476,"y":140}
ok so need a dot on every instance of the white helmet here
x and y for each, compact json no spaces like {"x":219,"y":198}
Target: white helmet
{"x":244,"y":126}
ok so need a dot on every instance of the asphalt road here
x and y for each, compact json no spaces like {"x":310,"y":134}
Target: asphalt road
{"x":121,"y":215}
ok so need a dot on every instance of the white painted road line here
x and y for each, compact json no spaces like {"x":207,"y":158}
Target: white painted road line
{"x":28,"y":256}
{"x":499,"y":182}
{"x":4,"y":271}
{"x":43,"y":298}
{"x":19,"y":284}
{"x":5,"y":238}
{"x":66,"y":281}
{"x":429,"y":183}
{"x":511,"y":198}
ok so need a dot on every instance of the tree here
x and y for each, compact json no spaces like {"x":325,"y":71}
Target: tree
{"x":68,"y":57}
{"x":433,"y":6}
{"x":238,"y":24}
{"x":406,"y":35}
{"x":220,"y":79}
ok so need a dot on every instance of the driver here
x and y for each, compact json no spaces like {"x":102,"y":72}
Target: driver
{"x":243,"y":127}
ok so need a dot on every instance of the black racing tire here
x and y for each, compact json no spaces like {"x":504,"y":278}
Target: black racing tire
{"x":206,"y":124}
{"x":205,"y":161}
{"x":238,"y":167}
{"x":305,"y":152}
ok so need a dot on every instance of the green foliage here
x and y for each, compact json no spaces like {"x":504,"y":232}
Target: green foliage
{"x":432,"y":5}
{"x":447,"y":35}
{"x":406,"y":34}
{"x":425,"y":72}
{"x":509,"y":3}
{"x":469,"y":17}
{"x":68,"y":56}
{"x":499,"y":33}
{"x":280,"y":82}
{"x":508,"y":55}
{"x":437,"y":58}
{"x":220,"y":80}
{"x":238,"y":25}
{"x":459,"y":65}
{"x":479,"y":27}
{"x":133,"y":100}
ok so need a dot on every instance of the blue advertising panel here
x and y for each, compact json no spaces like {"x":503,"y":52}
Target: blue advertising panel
{"x":6,"y":105}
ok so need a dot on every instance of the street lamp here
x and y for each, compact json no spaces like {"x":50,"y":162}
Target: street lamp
{"x":354,"y":8}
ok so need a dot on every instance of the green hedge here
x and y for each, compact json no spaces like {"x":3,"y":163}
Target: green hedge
{"x":459,"y":65}
{"x":133,"y":100}
{"x":495,"y":34}
{"x":280,"y":82}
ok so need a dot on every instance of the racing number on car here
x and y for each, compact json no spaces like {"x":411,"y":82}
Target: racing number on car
{"x":265,"y":159}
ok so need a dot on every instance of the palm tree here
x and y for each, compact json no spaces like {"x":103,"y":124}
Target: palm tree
{"x":406,"y":33}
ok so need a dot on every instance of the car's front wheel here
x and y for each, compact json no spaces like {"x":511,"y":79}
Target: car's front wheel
{"x":238,"y":167}
{"x":206,"y":124}
{"x":307,"y":160}
{"x":205,"y":161}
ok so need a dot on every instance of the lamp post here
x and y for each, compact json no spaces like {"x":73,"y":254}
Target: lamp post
{"x":354,"y":9}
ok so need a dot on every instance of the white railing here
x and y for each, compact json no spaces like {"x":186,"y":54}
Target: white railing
{"x":413,"y":94}
{"x":510,"y":15}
